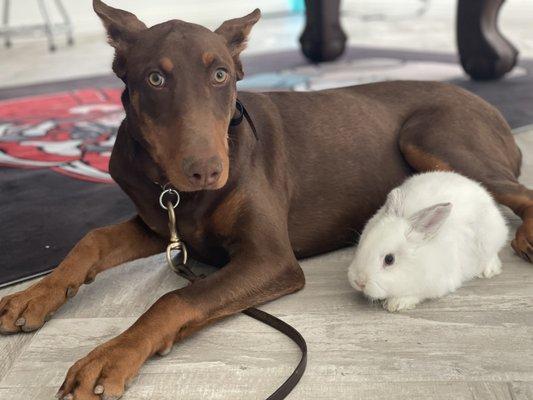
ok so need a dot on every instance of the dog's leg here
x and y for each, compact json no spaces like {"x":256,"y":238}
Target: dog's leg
{"x":259,"y":271}
{"x":519,"y":199}
{"x":484,"y":153}
{"x":99,"y":250}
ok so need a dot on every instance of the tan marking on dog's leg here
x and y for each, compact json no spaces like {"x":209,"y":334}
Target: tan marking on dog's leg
{"x":520,"y":203}
{"x":422,"y":161}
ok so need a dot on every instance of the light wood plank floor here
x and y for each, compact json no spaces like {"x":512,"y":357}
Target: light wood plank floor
{"x":474,"y":344}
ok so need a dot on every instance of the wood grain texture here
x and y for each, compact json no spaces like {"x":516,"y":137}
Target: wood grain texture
{"x":476,"y":343}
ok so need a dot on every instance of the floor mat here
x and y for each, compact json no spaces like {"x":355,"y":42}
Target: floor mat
{"x":56,"y":138}
{"x":54,"y":183}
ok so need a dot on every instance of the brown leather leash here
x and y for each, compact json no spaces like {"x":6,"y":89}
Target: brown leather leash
{"x":182,"y":269}
{"x":283,"y":327}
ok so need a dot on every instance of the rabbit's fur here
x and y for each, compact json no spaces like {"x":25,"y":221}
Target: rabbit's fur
{"x":441,"y":229}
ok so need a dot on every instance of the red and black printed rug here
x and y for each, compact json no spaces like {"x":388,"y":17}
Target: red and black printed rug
{"x":54,"y":182}
{"x":56,"y":139}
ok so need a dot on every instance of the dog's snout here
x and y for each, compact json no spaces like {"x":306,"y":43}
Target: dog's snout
{"x":203,"y":173}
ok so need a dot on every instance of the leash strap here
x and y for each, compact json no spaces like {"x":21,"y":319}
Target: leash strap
{"x":283,"y":327}
{"x":243,"y":113}
{"x":184,"y":271}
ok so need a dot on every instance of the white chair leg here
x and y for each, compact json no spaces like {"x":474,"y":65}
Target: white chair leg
{"x":5,"y":23}
{"x":48,"y":27}
{"x":66,"y":21}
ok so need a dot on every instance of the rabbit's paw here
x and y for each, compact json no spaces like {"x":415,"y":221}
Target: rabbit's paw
{"x":493,"y":268}
{"x":395,"y":304}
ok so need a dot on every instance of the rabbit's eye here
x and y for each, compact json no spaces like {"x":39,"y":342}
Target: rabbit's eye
{"x":389,"y":259}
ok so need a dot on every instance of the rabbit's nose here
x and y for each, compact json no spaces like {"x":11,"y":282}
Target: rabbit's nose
{"x":360,"y":283}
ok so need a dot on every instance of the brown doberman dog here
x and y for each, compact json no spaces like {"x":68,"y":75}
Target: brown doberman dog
{"x":323,"y":164}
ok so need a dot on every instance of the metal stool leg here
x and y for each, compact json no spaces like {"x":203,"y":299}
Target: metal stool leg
{"x":7,"y":38}
{"x":66,"y":20}
{"x":47,"y":25}
{"x":484,"y":52}
{"x":323,"y":38}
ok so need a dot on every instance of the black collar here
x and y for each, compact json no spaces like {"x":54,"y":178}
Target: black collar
{"x":240,"y":114}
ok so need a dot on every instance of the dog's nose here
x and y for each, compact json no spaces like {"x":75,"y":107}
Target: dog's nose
{"x":203,"y":172}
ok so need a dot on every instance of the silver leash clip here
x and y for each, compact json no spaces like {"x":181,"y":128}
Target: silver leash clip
{"x":176,"y":244}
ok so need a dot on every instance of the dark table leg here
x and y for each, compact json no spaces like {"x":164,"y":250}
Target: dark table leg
{"x":485,"y":54}
{"x":323,"y":38}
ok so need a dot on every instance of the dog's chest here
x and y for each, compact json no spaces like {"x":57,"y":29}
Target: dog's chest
{"x":194,"y":234}
{"x":201,"y":243}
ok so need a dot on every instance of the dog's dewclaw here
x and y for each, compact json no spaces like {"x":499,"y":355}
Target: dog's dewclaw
{"x":165,"y":350}
{"x":129,"y":381}
{"x":71,"y":292}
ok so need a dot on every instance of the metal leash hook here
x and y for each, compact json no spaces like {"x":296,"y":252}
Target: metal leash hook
{"x":176,"y":244}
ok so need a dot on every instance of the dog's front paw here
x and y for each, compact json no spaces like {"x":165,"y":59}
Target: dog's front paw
{"x":395,"y":304}
{"x":523,"y":241}
{"x":105,"y":372}
{"x":29,"y":309}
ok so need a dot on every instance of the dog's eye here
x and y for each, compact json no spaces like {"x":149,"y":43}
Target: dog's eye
{"x":388,"y":260}
{"x":156,"y":79}
{"x":220,"y":75}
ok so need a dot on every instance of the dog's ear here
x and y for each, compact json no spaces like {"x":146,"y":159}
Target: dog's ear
{"x":236,"y":32}
{"x":122,"y":28}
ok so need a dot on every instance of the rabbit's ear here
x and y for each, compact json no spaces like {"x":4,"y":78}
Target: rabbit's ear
{"x":395,"y":203}
{"x":429,"y":220}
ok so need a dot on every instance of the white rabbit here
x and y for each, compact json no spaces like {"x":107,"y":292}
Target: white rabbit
{"x":435,"y":231}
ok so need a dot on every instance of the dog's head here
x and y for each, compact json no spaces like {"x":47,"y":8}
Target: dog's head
{"x":181,"y":85}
